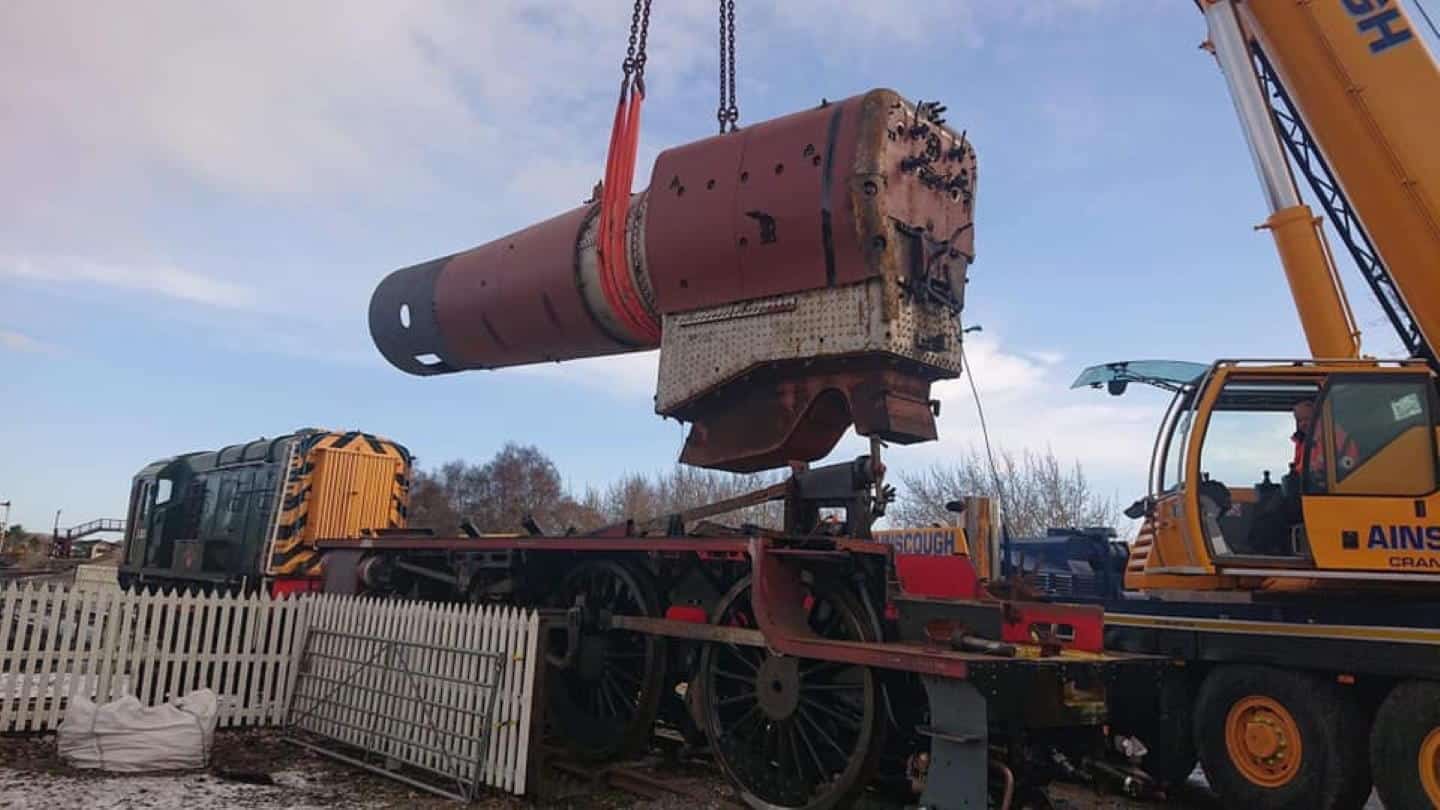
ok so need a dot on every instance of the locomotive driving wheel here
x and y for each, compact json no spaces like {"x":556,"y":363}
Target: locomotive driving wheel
{"x":793,"y":732}
{"x":604,"y":702}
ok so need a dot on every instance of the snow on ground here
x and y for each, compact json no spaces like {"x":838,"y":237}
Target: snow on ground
{"x":43,"y":791}
{"x":249,"y":769}
{"x":33,"y":777}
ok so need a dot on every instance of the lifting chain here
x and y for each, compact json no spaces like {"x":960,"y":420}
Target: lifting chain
{"x":728,"y":113}
{"x":635,"y":53}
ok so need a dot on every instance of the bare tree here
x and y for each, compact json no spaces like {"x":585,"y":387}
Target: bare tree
{"x":519,"y":481}
{"x":522,"y":481}
{"x":435,"y":501}
{"x":631,"y":496}
{"x":681,"y":488}
{"x":1036,"y":490}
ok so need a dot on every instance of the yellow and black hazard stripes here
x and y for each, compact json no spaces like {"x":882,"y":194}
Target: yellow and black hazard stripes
{"x":338,"y":485}
{"x":288,"y":556}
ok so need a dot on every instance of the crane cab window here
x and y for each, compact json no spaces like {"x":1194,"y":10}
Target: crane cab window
{"x":1247,"y":452}
{"x":1373,"y":436}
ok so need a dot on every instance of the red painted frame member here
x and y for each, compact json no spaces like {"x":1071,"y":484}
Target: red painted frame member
{"x":779,"y":602}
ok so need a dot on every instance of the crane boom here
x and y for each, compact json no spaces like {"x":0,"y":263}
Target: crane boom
{"x":1354,"y":91}
{"x":1314,"y":282}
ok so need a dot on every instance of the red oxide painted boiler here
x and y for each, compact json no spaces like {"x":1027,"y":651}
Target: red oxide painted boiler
{"x":804,"y":274}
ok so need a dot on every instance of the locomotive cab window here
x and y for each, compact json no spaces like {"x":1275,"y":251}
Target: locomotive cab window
{"x":163,"y":491}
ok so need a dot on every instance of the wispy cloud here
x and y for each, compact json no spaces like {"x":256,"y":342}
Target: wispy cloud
{"x":130,"y":118}
{"x":622,"y":376}
{"x":1045,"y":11}
{"x":1028,"y":405}
{"x":19,"y":342}
{"x":160,"y":279}
{"x":238,"y":95}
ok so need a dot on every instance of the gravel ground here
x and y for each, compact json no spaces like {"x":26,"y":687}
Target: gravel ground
{"x":33,"y":777}
{"x":255,"y":768}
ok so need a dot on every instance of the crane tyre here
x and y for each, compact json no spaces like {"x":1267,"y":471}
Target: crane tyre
{"x":1405,"y":747}
{"x":1271,"y":739}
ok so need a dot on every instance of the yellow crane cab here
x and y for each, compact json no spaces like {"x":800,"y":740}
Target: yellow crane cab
{"x":1286,"y":475}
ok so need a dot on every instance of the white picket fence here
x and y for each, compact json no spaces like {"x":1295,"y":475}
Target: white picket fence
{"x":464,"y":708}
{"x":57,"y":643}
{"x":454,"y":697}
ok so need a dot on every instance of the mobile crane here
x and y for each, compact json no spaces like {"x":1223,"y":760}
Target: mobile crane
{"x":1303,"y":610}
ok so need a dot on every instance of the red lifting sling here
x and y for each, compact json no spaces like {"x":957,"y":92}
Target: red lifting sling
{"x":616,"y":281}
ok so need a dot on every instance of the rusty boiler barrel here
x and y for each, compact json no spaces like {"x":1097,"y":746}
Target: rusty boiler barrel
{"x":530,"y":297}
{"x":802,"y":275}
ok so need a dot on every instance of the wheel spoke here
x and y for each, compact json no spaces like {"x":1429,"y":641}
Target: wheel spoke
{"x":844,"y":755}
{"x":793,"y":736}
{"x":833,"y":687}
{"x":626,"y":698}
{"x":810,"y":747}
{"x":840,"y":717}
{"x":780,"y":744}
{"x":740,"y":655}
{"x":734,"y":676}
{"x":753,"y":713}
{"x":610,"y":706}
{"x":730,"y":701}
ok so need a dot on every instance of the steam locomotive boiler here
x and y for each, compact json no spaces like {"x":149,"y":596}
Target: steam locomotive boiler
{"x":799,"y":277}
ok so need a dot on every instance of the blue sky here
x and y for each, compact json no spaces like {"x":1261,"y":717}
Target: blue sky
{"x":203,"y":197}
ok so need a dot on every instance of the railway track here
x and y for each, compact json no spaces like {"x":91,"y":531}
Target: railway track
{"x":646,"y":781}
{"x":48,"y":574}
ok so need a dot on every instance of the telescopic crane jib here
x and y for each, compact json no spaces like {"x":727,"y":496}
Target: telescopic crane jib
{"x":1349,"y":90}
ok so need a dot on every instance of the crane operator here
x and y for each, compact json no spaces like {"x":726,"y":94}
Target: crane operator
{"x":1346,"y":453}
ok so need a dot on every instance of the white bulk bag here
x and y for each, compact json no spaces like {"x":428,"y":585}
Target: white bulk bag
{"x":125,"y":736}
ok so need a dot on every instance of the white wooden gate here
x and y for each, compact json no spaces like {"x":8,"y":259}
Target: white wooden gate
{"x":57,"y":643}
{"x":444,"y":689}
{"x":438,"y":696}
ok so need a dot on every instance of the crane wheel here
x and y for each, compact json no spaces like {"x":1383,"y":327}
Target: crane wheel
{"x":1270,"y":739}
{"x":1405,"y":747}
